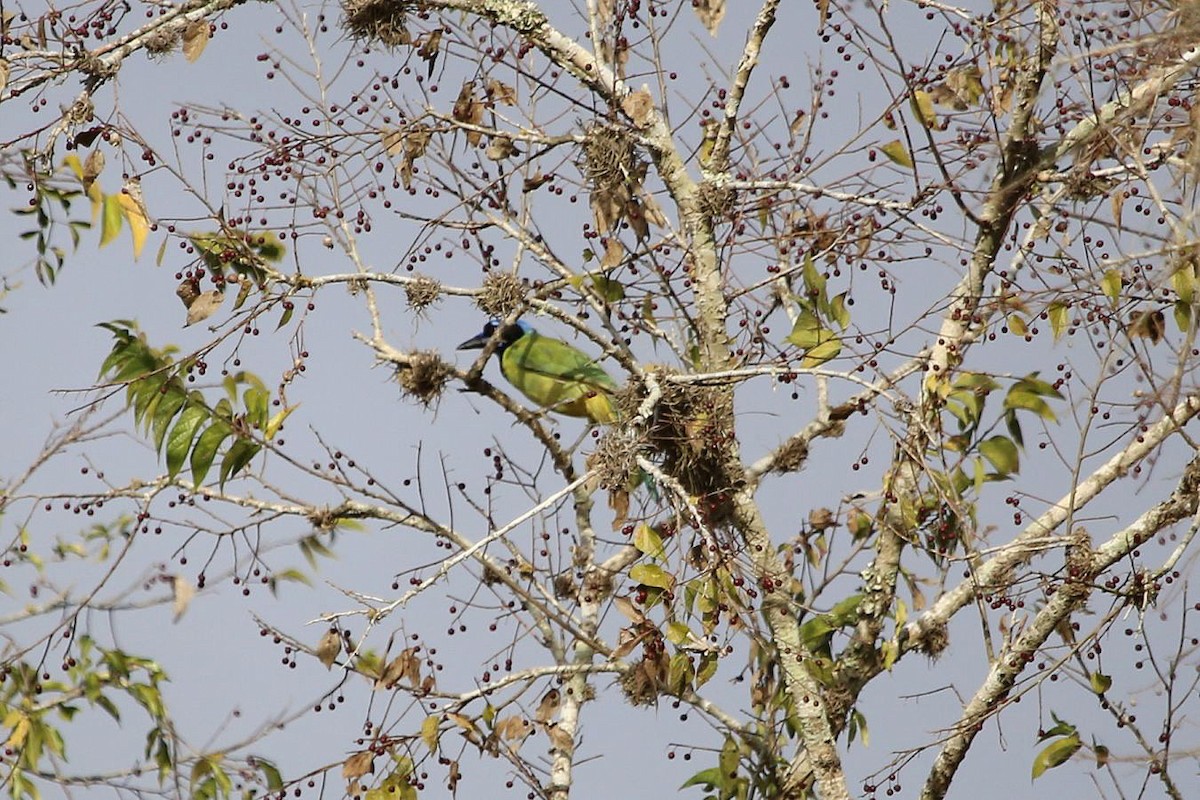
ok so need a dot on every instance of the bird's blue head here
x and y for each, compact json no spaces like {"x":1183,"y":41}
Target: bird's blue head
{"x":508,"y":335}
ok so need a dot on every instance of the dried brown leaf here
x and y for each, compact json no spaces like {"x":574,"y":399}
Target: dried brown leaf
{"x":501,"y":92}
{"x":614,"y":253}
{"x":559,"y":739}
{"x":393,"y":141}
{"x":329,"y":647}
{"x":188,"y":291}
{"x":629,"y":610}
{"x":92,"y":167}
{"x":469,"y":111}
{"x":500,"y":148}
{"x":195,"y":39}
{"x":406,"y":666}
{"x":639,"y":106}
{"x":358,"y":765}
{"x":204,"y":306}
{"x":711,"y":12}
{"x":183,"y":591}
{"x":548,"y":706}
{"x":514,"y":728}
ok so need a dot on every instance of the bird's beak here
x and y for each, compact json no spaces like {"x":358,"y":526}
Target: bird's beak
{"x":476,"y":342}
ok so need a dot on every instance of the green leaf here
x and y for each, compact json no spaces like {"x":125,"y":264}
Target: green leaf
{"x":707,"y":669}
{"x":257,"y":401}
{"x":1059,"y":319}
{"x":270,"y":773}
{"x":711,"y":778}
{"x":166,"y":410}
{"x":1002,"y":453}
{"x":1101,"y":683}
{"x":206,"y":448}
{"x":806,"y":332}
{"x":818,"y":342}
{"x":822,"y":353}
{"x":652,"y":575}
{"x":1056,"y":753}
{"x":814,"y":281}
{"x":647,"y":540}
{"x":239,"y":455}
{"x":839,"y":311}
{"x":1028,"y":394}
{"x":287,"y":316}
{"x":611,"y":291}
{"x":1184,"y":282}
{"x":180,"y":440}
{"x":678,"y":633}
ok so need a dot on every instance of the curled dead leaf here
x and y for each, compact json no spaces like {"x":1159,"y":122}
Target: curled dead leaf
{"x":329,"y":647}
{"x":195,"y":39}
{"x":710,"y":12}
{"x":183,"y":592}
{"x":204,"y":306}
{"x":638,"y":106}
{"x":92,"y":167}
{"x":358,"y":765}
{"x":548,"y":706}
{"x":500,"y":148}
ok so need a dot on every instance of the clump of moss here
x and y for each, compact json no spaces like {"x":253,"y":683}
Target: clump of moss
{"x":501,"y":294}
{"x":163,"y":41}
{"x":422,"y":292}
{"x":615,"y":458}
{"x":424,"y":376}
{"x":378,"y":20}
{"x":688,"y":433}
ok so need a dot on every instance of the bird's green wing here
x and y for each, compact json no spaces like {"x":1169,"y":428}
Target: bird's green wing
{"x":559,"y":377}
{"x":555,"y":359}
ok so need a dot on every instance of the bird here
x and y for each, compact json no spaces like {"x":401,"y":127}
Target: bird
{"x":550,"y":372}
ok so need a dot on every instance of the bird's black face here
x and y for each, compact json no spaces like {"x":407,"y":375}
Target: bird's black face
{"x":509,"y":335}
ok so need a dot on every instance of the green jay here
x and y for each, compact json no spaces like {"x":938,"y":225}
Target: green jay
{"x":550,"y":372}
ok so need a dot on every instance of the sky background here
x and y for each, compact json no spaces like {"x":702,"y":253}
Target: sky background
{"x":226,"y":680}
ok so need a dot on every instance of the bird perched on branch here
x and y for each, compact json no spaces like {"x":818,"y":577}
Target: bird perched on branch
{"x":550,"y":372}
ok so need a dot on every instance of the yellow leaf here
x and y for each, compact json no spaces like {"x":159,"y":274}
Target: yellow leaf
{"x":1058,"y":318}
{"x":97,"y":199}
{"x":195,"y":39}
{"x":922,"y":103}
{"x":20,"y":729}
{"x":135,"y":215}
{"x":276,"y":422}
{"x":72,"y":162}
{"x":1111,"y":285}
{"x":429,"y":732}
{"x":897,"y":153}
{"x":110,"y":219}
